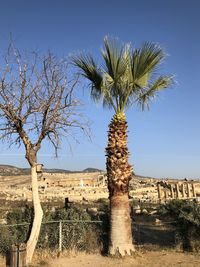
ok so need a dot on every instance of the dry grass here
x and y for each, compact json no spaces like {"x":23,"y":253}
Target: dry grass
{"x":145,"y":256}
{"x":2,"y":262}
{"x":142,"y":258}
{"x":44,"y":256}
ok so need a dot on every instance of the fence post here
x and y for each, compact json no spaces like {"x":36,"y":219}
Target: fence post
{"x":13,"y":256}
{"x":60,"y":237}
{"x":17,"y":256}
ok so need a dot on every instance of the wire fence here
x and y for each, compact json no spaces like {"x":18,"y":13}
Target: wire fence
{"x":88,"y":236}
{"x":56,"y":235}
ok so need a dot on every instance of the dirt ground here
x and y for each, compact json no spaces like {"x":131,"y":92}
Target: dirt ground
{"x":147,"y":259}
{"x":164,"y":258}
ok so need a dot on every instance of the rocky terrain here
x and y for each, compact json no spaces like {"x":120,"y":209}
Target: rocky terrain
{"x":8,"y":170}
{"x":55,"y":186}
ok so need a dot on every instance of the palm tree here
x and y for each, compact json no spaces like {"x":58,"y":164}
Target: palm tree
{"x":127,"y":77}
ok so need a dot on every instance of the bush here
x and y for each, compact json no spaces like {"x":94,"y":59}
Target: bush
{"x":73,"y":233}
{"x":6,"y":240}
{"x":17,"y":233}
{"x":77,"y":234}
{"x":186,"y":217}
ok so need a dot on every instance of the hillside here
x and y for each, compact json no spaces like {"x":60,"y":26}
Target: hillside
{"x":9,"y":170}
{"x":91,"y":170}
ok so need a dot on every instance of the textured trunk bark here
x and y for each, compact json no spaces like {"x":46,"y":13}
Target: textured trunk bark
{"x":38,"y":214}
{"x":120,"y":222}
{"x":119,"y":173}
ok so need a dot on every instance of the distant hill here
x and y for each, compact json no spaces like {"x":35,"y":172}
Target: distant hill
{"x":92,"y":170}
{"x":88,"y":170}
{"x":56,"y":171}
{"x":2,"y":166}
{"x":9,"y":170}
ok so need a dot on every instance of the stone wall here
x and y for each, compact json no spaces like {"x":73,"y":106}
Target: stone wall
{"x":177,"y":190}
{"x":96,"y":179}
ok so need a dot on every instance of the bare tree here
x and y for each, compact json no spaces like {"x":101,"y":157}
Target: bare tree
{"x":37,"y":103}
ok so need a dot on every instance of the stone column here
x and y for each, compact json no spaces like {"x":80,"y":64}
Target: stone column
{"x":165,"y":194}
{"x":193,"y":190}
{"x":81,"y":183}
{"x":188,"y":190}
{"x":183,"y":190}
{"x":159,"y":191}
{"x":177,"y":190}
{"x":172,"y":191}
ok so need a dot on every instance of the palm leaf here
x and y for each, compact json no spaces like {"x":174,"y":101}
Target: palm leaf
{"x":144,"y":62}
{"x":161,"y":83}
{"x":115,"y":61}
{"x":90,"y":71}
{"x":127,"y":76}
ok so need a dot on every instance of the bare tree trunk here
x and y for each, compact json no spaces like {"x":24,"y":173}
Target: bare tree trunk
{"x":38,"y":214}
{"x":120,"y":222}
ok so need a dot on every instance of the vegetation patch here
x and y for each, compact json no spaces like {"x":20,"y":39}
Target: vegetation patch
{"x":185,"y":216}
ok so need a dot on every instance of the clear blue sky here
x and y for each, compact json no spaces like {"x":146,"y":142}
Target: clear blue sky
{"x":165,"y":141}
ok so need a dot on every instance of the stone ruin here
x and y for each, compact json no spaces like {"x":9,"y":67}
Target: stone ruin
{"x":168,"y":190}
{"x":73,"y":180}
{"x":93,"y":186}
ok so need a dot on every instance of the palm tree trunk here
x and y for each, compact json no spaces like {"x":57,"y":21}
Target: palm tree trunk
{"x":119,"y":174}
{"x":37,"y":221}
{"x":121,"y":233}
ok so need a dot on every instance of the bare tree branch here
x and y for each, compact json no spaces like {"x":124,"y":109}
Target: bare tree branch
{"x":37,"y":101}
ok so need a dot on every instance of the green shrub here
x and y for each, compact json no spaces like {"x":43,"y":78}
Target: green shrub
{"x":17,"y":233}
{"x":6,"y":240}
{"x":186,"y":219}
{"x":73,"y":233}
{"x":76,"y":233}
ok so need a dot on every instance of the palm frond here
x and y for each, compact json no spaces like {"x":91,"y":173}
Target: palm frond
{"x":144,"y":62}
{"x":90,"y":71}
{"x":113,"y":54}
{"x":149,"y":93}
{"x":127,"y":76}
